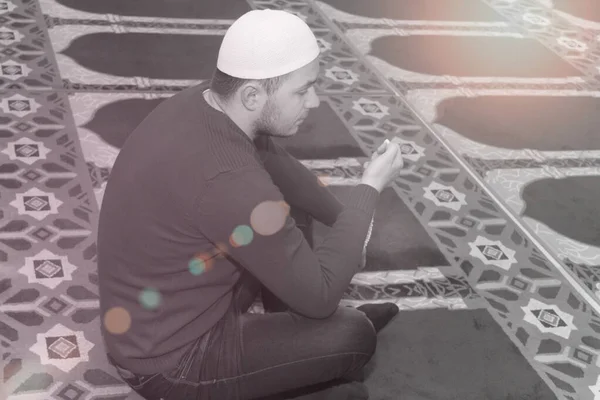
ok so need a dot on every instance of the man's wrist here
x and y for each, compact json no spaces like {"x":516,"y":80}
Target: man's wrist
{"x":370,"y":183}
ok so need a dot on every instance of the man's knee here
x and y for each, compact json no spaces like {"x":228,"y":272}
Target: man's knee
{"x":356,"y":332}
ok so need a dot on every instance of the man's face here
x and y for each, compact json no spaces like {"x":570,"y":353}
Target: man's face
{"x":285,"y":109}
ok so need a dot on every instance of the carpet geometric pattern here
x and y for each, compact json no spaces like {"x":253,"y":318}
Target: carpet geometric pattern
{"x":494,"y":103}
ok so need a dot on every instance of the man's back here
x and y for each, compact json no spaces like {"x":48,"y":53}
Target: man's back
{"x":147,"y":239}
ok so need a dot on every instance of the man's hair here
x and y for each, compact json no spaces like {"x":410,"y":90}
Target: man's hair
{"x":226,"y":85}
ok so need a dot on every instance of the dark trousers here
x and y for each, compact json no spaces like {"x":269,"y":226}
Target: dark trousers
{"x":281,"y":354}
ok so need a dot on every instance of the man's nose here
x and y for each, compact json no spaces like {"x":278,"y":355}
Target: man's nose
{"x":313,"y":100}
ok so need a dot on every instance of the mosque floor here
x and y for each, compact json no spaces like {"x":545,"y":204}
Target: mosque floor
{"x":489,"y":241}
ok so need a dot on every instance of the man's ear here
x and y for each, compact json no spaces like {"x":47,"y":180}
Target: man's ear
{"x":252,"y":95}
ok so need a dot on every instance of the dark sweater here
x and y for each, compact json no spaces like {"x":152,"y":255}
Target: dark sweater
{"x":184,"y":180}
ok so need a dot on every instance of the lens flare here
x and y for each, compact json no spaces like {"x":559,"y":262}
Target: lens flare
{"x":117,"y":320}
{"x":241,"y":236}
{"x":197,"y":265}
{"x":321,"y":179}
{"x":269,"y":217}
{"x":150,"y":298}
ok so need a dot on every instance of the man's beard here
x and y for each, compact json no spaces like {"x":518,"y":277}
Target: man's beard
{"x":265,"y":125}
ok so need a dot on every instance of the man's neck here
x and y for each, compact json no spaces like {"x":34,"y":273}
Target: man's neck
{"x":213,"y":101}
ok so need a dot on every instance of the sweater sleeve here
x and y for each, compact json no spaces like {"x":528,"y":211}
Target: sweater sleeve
{"x":300,"y":186}
{"x":309,"y":282}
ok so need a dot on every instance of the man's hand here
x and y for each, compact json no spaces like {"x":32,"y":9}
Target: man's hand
{"x":384,"y":166}
{"x":377,"y":153}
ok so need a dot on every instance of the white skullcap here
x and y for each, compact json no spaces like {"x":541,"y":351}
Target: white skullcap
{"x":265,"y":44}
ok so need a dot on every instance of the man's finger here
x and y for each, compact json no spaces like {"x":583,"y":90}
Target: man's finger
{"x":383,"y":146}
{"x":399,"y":160}
{"x":391,"y":151}
{"x":380,"y":150}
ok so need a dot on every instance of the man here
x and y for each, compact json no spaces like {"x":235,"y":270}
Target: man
{"x":202,"y":209}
